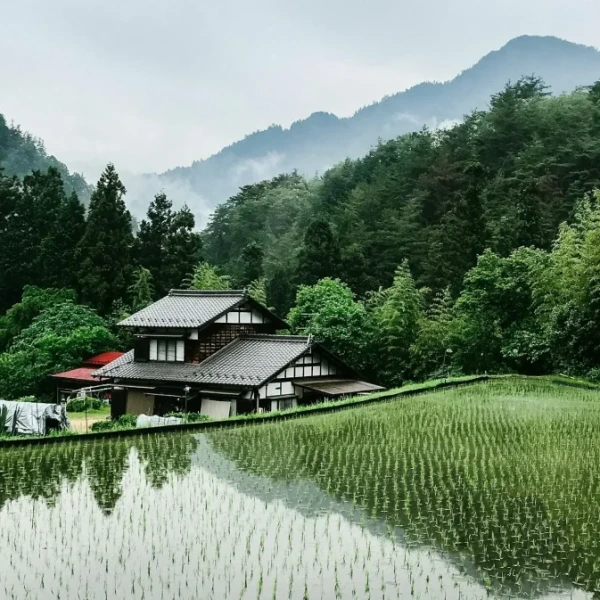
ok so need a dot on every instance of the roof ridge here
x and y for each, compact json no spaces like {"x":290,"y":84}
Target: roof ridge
{"x":177,"y":292}
{"x":275,"y":337}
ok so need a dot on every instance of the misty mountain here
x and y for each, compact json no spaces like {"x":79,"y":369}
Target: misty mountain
{"x":311,"y":145}
{"x":21,"y":153}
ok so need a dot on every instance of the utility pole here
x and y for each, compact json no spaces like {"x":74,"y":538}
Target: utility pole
{"x":186,"y":389}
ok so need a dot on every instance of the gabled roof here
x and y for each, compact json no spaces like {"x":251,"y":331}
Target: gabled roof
{"x":185,"y":308}
{"x":248,"y":361}
{"x":125,"y":359}
{"x":193,"y":309}
{"x":79,"y":374}
{"x":254,"y":358}
{"x":89,"y":367}
{"x":102,"y":359}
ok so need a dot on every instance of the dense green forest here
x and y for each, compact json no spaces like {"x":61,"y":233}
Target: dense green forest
{"x":472,"y":249}
{"x":404,"y":226}
{"x":68,"y":275}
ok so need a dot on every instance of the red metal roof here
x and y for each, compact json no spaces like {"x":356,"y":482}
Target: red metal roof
{"x":79,"y":374}
{"x":103,"y":359}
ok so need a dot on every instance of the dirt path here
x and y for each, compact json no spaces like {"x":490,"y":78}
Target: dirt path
{"x":78,"y":423}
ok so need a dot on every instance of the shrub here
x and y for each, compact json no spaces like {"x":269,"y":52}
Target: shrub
{"x":594,"y":375}
{"x":83,"y":404}
{"x":27,"y":399}
{"x":124,"y":422}
{"x":191,"y":417}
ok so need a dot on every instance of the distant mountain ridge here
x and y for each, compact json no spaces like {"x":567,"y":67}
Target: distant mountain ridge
{"x":21,"y":153}
{"x":321,"y":140}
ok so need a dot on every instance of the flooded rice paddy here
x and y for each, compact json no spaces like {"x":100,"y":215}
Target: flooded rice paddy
{"x":483,"y":491}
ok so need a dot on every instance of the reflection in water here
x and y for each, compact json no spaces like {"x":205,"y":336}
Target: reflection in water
{"x":267,"y":512}
{"x":502,"y":478}
{"x":40,"y":471}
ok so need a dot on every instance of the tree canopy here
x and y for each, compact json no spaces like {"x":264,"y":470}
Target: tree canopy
{"x":469,"y":249}
{"x":59,"y":337}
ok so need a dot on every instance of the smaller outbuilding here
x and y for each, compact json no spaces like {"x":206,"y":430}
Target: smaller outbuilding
{"x":80,"y":378}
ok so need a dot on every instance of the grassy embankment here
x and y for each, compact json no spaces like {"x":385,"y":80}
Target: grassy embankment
{"x":126,"y":424}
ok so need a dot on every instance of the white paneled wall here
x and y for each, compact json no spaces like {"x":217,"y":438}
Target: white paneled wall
{"x":276,"y":388}
{"x":311,"y":365}
{"x":242,"y":317}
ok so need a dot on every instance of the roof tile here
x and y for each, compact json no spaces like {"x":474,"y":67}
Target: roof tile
{"x":185,"y":308}
{"x":248,"y":361}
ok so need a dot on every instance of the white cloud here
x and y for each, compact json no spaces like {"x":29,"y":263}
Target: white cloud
{"x":257,"y":169}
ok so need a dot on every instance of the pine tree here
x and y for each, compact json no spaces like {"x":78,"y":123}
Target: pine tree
{"x":183,"y":249}
{"x":57,"y":257}
{"x":72,"y":222}
{"x":280,"y":290}
{"x":12,"y":259}
{"x":167,"y":245}
{"x":104,"y":252}
{"x":457,"y":241}
{"x":150,"y":242}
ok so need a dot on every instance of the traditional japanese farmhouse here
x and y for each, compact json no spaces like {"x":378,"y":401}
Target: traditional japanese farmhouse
{"x":218,"y":353}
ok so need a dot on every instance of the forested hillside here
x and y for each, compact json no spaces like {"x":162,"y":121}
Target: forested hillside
{"x":68,"y":275}
{"x":21,"y":153}
{"x":404,"y":226}
{"x":505,"y":178}
{"x":468,"y":250}
{"x":318,"y":142}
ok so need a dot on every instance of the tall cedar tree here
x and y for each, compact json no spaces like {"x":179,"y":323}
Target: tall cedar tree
{"x":167,"y":245}
{"x":457,"y":241}
{"x":104,"y":252}
{"x":252,"y":263}
{"x":141,"y":290}
{"x":57,"y":263}
{"x":39,"y":231}
{"x":13,"y":259}
{"x":319,"y":257}
{"x":280,"y":290}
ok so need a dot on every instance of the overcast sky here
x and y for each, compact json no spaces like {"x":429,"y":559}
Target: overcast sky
{"x":152,"y":84}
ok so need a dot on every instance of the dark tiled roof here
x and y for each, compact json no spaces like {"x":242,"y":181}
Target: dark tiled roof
{"x":251,"y":359}
{"x":185,"y":308}
{"x":248,"y":361}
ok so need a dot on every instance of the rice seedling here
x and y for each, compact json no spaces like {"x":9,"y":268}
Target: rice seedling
{"x":463,"y":493}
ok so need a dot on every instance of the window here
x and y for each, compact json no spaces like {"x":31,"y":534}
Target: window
{"x":171,"y":346}
{"x":287,"y":403}
{"x":167,"y":350}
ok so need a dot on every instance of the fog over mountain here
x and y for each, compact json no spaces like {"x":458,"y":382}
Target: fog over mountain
{"x":313,"y":144}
